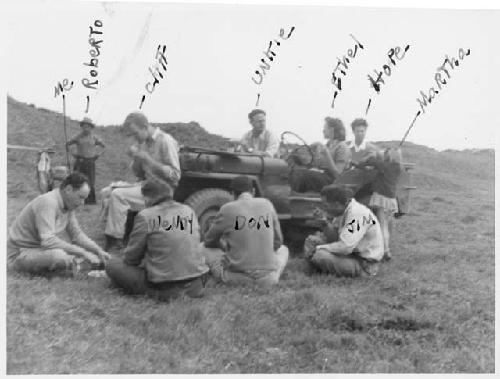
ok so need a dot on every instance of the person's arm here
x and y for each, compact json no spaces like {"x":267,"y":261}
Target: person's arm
{"x":136,"y":246}
{"x":278,"y":236}
{"x":45,"y":220}
{"x":341,"y":160}
{"x":222,"y":222}
{"x":99,"y":142}
{"x":79,"y":238}
{"x":273,"y":145}
{"x":350,"y":235}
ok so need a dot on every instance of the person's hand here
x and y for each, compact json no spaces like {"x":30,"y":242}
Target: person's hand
{"x":139,"y":155}
{"x":322,"y":247}
{"x":93,"y":259}
{"x":104,"y":256}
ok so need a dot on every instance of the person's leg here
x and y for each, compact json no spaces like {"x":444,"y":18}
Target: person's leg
{"x":167,"y":291}
{"x":337,"y":264}
{"x":305,"y":180}
{"x":274,"y":276}
{"x":383,"y":218}
{"x":120,"y":201}
{"x":39,"y":261}
{"x":90,"y":168}
{"x":130,"y":278}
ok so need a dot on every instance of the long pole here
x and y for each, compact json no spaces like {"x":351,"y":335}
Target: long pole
{"x":65,"y":133}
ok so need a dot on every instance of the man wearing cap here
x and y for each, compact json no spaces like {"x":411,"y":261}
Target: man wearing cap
{"x":86,"y":154}
{"x":360,"y":147}
{"x":244,"y":243}
{"x":154,"y":152}
{"x":260,"y":139}
{"x":163,"y":256}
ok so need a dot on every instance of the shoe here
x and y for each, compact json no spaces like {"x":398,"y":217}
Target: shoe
{"x":387,"y":256}
{"x":80,"y":268}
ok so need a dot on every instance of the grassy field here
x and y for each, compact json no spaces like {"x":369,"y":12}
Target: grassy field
{"x":430,"y":309}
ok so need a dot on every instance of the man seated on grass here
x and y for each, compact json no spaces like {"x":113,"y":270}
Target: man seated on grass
{"x":249,"y":232}
{"x":163,"y":256}
{"x":360,"y":246}
{"x":33,"y":245}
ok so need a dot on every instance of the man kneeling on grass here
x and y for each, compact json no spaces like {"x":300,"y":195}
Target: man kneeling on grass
{"x":249,"y":231}
{"x":32,"y":242}
{"x":163,"y":256}
{"x":360,"y":246}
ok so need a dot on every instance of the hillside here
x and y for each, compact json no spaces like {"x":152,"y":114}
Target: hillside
{"x":31,"y":126}
{"x":430,"y":309}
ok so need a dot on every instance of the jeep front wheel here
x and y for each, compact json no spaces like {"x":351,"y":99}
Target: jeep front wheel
{"x":206,"y":203}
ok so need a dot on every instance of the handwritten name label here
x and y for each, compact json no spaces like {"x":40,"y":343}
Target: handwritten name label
{"x":178,"y":222}
{"x":270,"y":55}
{"x":159,"y":66}
{"x":366,"y":221}
{"x":95,"y":52}
{"x":386,"y":69}
{"x":252,"y":223}
{"x":65,"y":86}
{"x":342,"y":66}
{"x":425,"y":100}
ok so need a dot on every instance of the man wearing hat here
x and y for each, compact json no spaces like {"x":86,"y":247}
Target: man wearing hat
{"x":163,"y":257}
{"x":244,"y":243}
{"x":154,"y":153}
{"x":86,"y":154}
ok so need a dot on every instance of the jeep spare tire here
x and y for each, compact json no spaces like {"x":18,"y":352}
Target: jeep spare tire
{"x":206,"y":203}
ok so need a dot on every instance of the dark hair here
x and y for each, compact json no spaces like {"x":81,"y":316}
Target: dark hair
{"x":136,"y":118}
{"x":255,"y":112}
{"x":338,"y":128}
{"x":157,"y":189}
{"x":359,"y":122}
{"x":75,"y":179}
{"x":336,"y":193}
{"x":241,"y":184}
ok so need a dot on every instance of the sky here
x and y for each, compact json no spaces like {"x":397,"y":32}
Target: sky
{"x":212,"y":52}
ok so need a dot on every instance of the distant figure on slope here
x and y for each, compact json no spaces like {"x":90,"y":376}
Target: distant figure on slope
{"x":33,"y":245}
{"x":360,"y":244}
{"x":248,"y":230}
{"x":260,"y":139}
{"x":86,"y":155}
{"x":162,"y":258}
{"x":383,"y":200}
{"x":154,"y":152}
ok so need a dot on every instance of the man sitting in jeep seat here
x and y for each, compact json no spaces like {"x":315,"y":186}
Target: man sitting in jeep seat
{"x":260,"y":139}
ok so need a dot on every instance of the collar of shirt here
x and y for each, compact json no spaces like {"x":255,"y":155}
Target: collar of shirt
{"x":262,"y":135}
{"x":245,"y":196}
{"x":357,"y":148}
{"x":60,"y":202}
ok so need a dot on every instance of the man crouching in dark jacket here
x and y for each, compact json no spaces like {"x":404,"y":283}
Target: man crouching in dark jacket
{"x":162,"y":258}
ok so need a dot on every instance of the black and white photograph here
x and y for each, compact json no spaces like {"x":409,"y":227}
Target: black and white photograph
{"x":249,"y":187}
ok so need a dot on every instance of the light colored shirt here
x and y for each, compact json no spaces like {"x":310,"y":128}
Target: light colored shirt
{"x":265,"y":142}
{"x":340,"y":154}
{"x":167,"y":237}
{"x":163,"y":149}
{"x":359,"y":232}
{"x":251,"y":229}
{"x":85,"y":144}
{"x":361,"y":152}
{"x":42,"y":219}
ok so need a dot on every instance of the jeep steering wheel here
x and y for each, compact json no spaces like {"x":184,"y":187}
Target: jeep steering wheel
{"x":304,"y":143}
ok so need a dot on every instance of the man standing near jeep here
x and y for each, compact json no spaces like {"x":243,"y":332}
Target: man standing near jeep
{"x":260,"y":139}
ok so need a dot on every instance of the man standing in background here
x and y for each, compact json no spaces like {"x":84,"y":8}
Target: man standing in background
{"x":86,"y":155}
{"x":260,"y":139}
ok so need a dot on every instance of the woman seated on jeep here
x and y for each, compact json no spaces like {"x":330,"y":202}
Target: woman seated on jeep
{"x":330,"y":160}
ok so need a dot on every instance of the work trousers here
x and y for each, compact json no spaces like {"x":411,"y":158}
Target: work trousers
{"x":133,"y":280}
{"x":216,"y":261}
{"x":306,"y":180}
{"x":120,"y":200}
{"x":40,"y":261}
{"x":87,"y":167}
